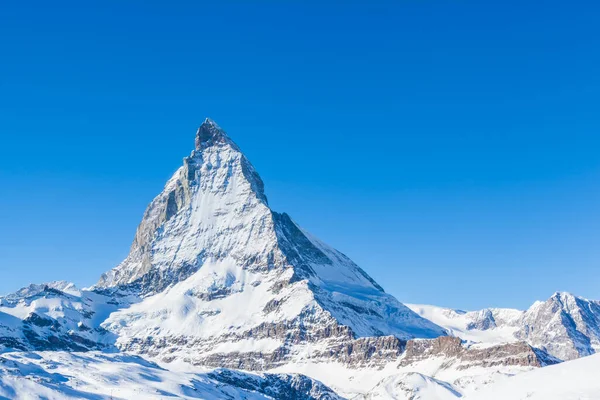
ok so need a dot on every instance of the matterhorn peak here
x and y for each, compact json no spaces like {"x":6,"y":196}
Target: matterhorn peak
{"x":221,"y":268}
{"x":210,"y":133}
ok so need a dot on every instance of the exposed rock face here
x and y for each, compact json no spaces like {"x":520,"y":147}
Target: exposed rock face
{"x":373,"y":352}
{"x":565,"y":326}
{"x":452,"y":349}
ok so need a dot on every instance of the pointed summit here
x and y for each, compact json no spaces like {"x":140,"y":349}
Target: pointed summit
{"x":209,"y":133}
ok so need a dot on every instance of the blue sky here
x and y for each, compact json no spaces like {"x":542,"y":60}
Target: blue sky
{"x":452,"y":149}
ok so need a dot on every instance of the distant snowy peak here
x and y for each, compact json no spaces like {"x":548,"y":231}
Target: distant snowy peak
{"x":39,"y":290}
{"x":565,"y":326}
{"x":490,"y":325}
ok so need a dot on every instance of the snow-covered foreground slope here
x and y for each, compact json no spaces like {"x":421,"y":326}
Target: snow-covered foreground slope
{"x":411,"y":386}
{"x":572,"y":380}
{"x":95,"y":376}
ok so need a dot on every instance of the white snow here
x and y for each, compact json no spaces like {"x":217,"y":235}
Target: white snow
{"x":463,"y":324}
{"x":411,"y":386}
{"x":102,"y":376}
{"x":571,"y":380}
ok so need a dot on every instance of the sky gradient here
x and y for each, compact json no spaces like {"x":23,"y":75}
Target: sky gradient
{"x":451,"y":149}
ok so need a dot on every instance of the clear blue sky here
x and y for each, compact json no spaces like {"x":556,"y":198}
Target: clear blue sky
{"x":451,"y":148}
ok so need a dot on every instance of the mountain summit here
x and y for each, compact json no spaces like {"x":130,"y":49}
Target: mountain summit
{"x":216,"y":267}
{"x":213,"y":207}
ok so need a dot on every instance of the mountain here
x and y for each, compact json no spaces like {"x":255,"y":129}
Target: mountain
{"x":572,"y":380}
{"x":226,"y":281}
{"x":564,"y":326}
{"x":490,"y":325}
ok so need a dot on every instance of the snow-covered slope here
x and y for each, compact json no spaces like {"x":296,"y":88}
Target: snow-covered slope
{"x":565,"y":326}
{"x":411,"y":386}
{"x":95,"y":376}
{"x":572,"y":380}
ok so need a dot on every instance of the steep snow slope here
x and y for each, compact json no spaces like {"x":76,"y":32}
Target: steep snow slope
{"x":572,"y":380}
{"x":95,"y":376}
